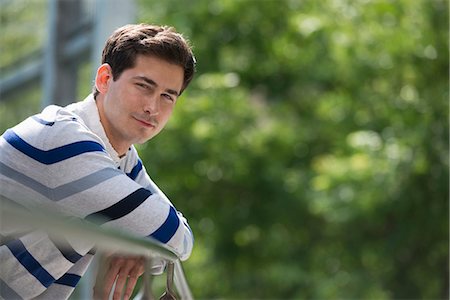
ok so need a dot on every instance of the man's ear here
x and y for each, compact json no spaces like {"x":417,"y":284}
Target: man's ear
{"x":103,"y":77}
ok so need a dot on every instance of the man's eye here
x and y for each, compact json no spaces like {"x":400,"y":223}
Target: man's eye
{"x":142,"y":85}
{"x":168,"y":97}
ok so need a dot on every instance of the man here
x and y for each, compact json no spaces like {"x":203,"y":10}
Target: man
{"x":80,"y":161}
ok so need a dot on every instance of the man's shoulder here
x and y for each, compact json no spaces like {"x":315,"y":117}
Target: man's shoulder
{"x":54,"y":127}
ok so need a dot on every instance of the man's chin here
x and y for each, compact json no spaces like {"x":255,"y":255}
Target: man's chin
{"x":145,"y":139}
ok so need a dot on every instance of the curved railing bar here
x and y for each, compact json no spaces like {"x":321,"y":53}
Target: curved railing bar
{"x":106,"y":239}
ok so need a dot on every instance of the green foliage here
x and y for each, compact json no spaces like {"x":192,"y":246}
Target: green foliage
{"x":23,"y":27}
{"x":19,"y":106}
{"x":21,"y":37}
{"x":310,"y":153}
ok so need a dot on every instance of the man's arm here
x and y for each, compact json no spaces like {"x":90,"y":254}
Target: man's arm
{"x":125,"y":270}
{"x":63,"y":166}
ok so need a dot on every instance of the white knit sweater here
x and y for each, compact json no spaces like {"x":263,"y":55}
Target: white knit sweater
{"x":61,"y":159}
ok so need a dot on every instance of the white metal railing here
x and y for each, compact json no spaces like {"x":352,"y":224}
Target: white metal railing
{"x":105,"y":240}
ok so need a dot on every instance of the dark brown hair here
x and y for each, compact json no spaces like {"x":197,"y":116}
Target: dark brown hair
{"x":164,"y":42}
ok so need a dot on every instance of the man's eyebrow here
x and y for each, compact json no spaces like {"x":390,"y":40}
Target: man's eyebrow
{"x":153,"y":83}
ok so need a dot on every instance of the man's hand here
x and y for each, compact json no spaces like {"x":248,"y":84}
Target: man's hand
{"x":122,"y":268}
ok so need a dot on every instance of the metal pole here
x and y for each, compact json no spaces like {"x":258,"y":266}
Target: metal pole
{"x":109,"y":15}
{"x":60,"y":72}
{"x":49,"y":55}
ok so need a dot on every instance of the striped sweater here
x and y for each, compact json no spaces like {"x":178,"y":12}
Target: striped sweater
{"x":62,"y":160}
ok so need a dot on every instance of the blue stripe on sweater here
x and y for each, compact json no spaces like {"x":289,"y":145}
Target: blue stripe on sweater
{"x":43,"y":122}
{"x":168,"y":228}
{"x":54,"y":155}
{"x":27,"y":260}
{"x":135,"y":171}
{"x":66,"y":249}
{"x":70,"y":254}
{"x":121,"y":208}
{"x":69,"y":280}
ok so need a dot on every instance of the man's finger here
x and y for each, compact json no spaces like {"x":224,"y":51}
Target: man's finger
{"x":120,"y":284}
{"x":128,"y":265}
{"x":115,"y":265}
{"x":139,"y":267}
{"x":135,"y":272}
{"x":132,"y":280}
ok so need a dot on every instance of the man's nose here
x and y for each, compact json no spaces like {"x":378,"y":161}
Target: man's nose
{"x":151,"y":105}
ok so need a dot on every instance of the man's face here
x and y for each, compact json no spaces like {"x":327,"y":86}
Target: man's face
{"x":136,"y":106}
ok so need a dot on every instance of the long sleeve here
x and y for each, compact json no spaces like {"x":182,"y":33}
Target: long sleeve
{"x":182,"y":241}
{"x":55,"y":161}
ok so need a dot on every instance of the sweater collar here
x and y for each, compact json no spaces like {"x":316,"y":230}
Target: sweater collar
{"x":88,"y":111}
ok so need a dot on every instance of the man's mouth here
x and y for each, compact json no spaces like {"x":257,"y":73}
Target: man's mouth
{"x":146,"y":122}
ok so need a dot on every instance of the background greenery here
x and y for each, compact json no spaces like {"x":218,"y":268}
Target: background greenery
{"x":310,"y":154}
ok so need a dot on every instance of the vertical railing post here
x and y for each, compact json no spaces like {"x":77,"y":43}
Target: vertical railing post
{"x":147,"y":278}
{"x":109,"y":15}
{"x":60,"y":73}
{"x":169,"y":294}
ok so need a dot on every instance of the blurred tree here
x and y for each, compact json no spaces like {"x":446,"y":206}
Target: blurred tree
{"x":21,"y":35}
{"x":311,"y":153}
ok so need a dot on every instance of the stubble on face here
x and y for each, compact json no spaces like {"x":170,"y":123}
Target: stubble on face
{"x":125,"y":107}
